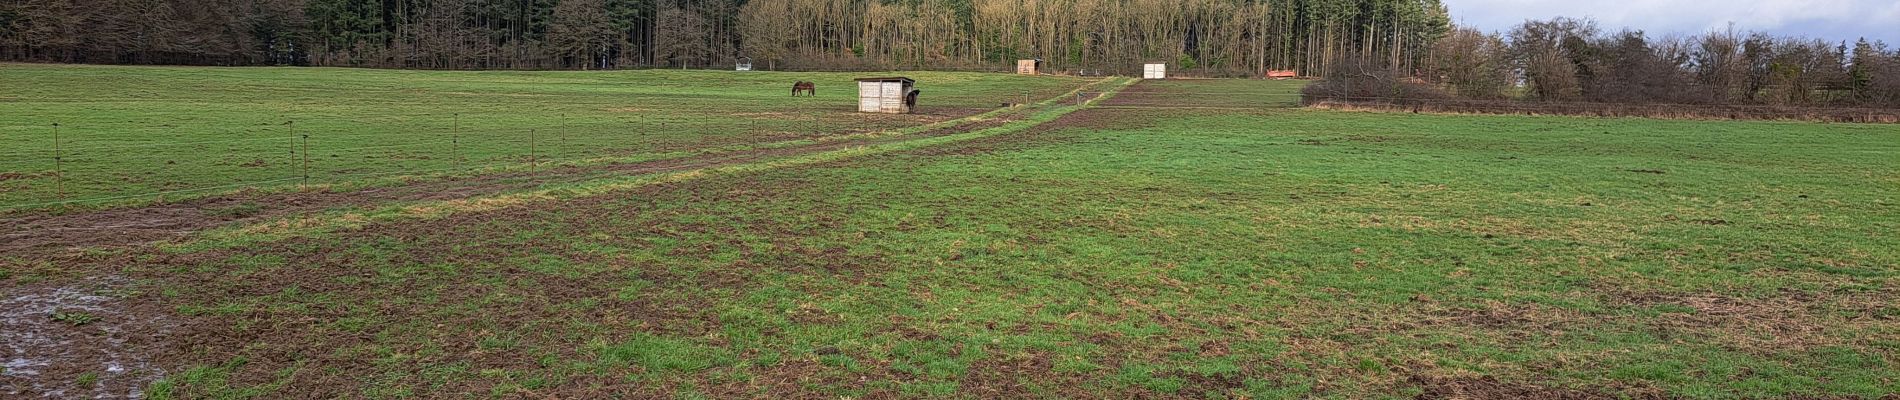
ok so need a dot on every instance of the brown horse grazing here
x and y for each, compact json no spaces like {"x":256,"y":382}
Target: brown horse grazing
{"x":806,"y":87}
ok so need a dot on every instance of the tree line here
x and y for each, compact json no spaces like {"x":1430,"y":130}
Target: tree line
{"x":1216,"y":37}
{"x":1576,"y":61}
{"x":1387,"y":44}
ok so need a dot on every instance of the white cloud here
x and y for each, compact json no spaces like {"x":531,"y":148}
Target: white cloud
{"x":1826,"y":19}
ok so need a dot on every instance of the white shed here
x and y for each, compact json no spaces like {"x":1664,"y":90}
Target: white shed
{"x":1154,"y":71}
{"x":891,"y":95}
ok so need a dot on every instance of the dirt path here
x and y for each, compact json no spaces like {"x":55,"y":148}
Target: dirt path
{"x":45,"y":233}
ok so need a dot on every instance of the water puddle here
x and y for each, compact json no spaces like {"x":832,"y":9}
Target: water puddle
{"x":76,"y":341}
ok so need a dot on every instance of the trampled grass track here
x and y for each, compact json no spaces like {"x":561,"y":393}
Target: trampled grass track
{"x":479,"y":189}
{"x":128,"y":134}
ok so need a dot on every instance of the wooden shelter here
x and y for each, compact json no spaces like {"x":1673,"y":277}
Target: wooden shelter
{"x":888,"y":95}
{"x":1028,"y":67}
{"x":1154,"y":71}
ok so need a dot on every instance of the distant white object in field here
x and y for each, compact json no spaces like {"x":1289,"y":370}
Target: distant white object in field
{"x":1154,"y":71}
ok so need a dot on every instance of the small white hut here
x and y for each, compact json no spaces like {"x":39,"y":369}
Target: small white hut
{"x":889,"y":95}
{"x":1154,"y":71}
{"x":745,"y":64}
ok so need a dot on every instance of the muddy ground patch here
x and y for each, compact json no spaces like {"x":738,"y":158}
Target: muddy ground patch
{"x":80,"y":339}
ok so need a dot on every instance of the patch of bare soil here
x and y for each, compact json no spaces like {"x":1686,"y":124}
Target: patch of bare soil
{"x":1172,"y":96}
{"x":332,"y":362}
{"x":1790,"y":321}
{"x":1050,"y":133}
{"x":7,"y":176}
{"x":1006,"y":377}
{"x":1773,"y":324}
{"x":1106,"y":119}
{"x":1142,"y":93}
{"x":79,"y":340}
{"x":1196,"y":384}
{"x":940,"y":114}
{"x":801,"y":378}
{"x":1517,"y":320}
{"x":539,"y":310}
{"x":1470,"y":388}
{"x":125,"y":226}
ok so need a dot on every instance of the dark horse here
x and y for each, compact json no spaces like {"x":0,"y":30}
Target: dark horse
{"x":806,"y":87}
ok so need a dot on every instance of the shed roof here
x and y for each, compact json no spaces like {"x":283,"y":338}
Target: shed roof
{"x":888,"y":79}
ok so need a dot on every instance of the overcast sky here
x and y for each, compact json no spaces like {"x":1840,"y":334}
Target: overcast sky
{"x":1834,"y":20}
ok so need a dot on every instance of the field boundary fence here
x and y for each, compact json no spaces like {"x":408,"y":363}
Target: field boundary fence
{"x":297,"y":155}
{"x":302,"y":154}
{"x":288,"y":154}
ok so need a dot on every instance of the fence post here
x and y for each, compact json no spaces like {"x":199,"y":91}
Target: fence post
{"x":292,"y":126}
{"x":59,"y":165}
{"x":531,"y":160}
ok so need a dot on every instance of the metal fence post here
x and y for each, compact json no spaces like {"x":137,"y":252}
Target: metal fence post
{"x":531,"y":160}
{"x":292,"y":126}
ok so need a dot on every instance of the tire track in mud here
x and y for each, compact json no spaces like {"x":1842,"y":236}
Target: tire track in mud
{"x":46,"y":233}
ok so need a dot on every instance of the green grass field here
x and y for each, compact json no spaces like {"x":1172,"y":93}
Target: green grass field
{"x":1179,"y":239}
{"x":133,"y":131}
